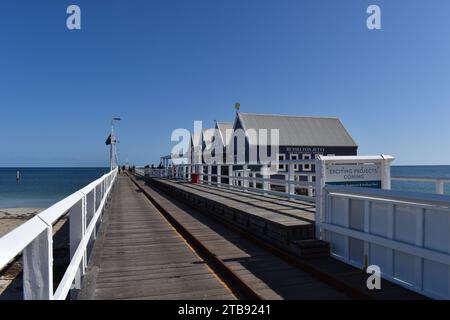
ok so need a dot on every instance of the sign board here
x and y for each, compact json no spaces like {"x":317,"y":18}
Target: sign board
{"x":357,"y":175}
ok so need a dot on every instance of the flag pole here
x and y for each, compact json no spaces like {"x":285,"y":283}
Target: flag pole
{"x":111,"y":146}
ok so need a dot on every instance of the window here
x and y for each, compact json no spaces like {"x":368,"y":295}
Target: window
{"x":295,"y":157}
{"x":306,"y":167}
{"x":281,"y":157}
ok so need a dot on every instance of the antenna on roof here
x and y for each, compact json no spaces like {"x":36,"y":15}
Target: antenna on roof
{"x":237,"y":106}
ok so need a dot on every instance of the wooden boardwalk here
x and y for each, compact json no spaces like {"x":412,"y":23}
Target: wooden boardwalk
{"x":278,"y":220}
{"x":288,"y":211}
{"x":268,"y":275}
{"x":287,"y":282}
{"x":138,"y":255}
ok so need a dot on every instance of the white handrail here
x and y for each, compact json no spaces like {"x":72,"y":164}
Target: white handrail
{"x":241,"y":178}
{"x":438,"y":181}
{"x":34,"y":239}
{"x":404,"y":233}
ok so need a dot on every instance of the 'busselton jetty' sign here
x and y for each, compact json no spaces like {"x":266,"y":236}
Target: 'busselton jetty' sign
{"x":358,"y":175}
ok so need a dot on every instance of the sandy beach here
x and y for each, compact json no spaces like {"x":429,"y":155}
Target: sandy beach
{"x":10,"y":278}
{"x":11,"y":218}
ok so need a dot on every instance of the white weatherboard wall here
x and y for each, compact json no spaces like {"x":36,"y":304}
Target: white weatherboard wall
{"x":406,"y":234}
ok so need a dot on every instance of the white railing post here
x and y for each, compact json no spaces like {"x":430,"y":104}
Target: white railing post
{"x":290,"y":180}
{"x":310,"y":190}
{"x":320,"y":195}
{"x":230,"y":174}
{"x":38,"y":267}
{"x":90,"y":212}
{"x":265,"y":175}
{"x":200,"y":176}
{"x":209,"y":174}
{"x":440,"y":187}
{"x":347,"y":226}
{"x":245,"y":176}
{"x":77,"y":226}
{"x":219,"y":174}
{"x":386,"y":172}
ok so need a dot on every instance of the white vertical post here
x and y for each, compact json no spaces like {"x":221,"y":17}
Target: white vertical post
{"x":245,"y":175}
{"x":390,"y":235}
{"x":347,"y":225}
{"x":219,"y":174}
{"x":418,"y":272}
{"x":77,"y":226}
{"x":290,"y":186}
{"x":367,"y":213}
{"x":386,"y":172}
{"x":310,"y":190}
{"x":92,"y":214}
{"x":38,"y":267}
{"x":265,"y":175}
{"x":200,"y":176}
{"x":230,"y":174}
{"x":320,"y":195}
{"x":440,"y":187}
{"x":209,"y":174}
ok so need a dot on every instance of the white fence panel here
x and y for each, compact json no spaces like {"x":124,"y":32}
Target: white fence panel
{"x":406,"y":234}
{"x":34,"y":239}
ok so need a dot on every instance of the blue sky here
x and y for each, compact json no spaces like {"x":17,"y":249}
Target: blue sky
{"x":161,"y":64}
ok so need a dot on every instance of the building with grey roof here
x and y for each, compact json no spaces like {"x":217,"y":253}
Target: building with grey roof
{"x":300,"y":137}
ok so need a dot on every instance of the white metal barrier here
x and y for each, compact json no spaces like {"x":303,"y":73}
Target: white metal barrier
{"x":406,"y":234}
{"x":34,"y":239}
{"x":438,"y":182}
{"x":245,"y":179}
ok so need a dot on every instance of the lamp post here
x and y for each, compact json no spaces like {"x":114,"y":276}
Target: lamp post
{"x":113,"y":142}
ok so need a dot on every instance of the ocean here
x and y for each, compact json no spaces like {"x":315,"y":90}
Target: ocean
{"x":420,"y":171}
{"x":42,"y":187}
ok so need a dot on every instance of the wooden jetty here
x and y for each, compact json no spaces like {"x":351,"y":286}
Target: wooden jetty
{"x":138,"y":255}
{"x":141,"y":254}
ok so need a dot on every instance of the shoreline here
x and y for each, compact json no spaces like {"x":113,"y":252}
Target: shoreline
{"x":11,"y":218}
{"x":11,"y":277}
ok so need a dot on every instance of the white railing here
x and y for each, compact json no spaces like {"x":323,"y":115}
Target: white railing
{"x":245,"y":179}
{"x":34,"y":239}
{"x":437,"y":181}
{"x":406,"y":234}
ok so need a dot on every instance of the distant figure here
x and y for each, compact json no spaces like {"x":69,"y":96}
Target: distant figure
{"x":153,"y":166}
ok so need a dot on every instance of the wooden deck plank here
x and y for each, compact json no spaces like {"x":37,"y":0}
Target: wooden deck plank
{"x":142,"y":256}
{"x":265,"y":273}
{"x":271,"y":277}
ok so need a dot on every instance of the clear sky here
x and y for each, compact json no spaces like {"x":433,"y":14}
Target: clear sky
{"x":161,"y":64}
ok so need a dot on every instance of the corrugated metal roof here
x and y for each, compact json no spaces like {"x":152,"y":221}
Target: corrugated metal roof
{"x":223,"y":127}
{"x":301,"y":131}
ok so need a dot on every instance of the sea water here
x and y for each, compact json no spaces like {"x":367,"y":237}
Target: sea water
{"x":420,"y":171}
{"x":42,"y":187}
